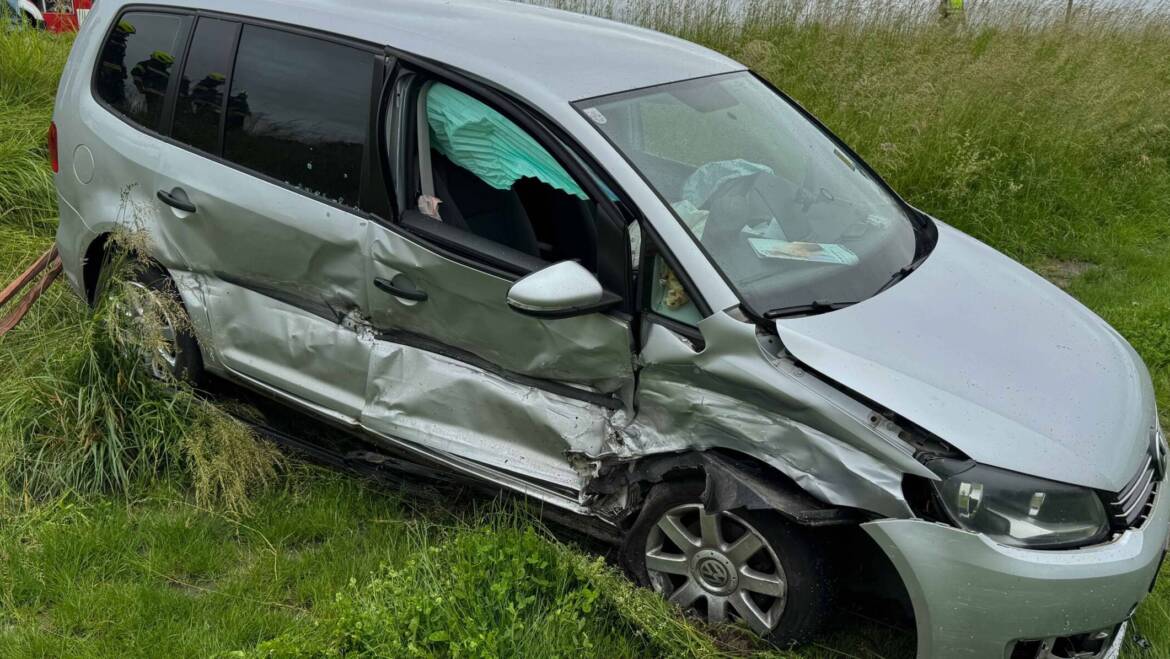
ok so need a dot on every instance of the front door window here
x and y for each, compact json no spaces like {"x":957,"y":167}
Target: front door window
{"x":483,"y":174}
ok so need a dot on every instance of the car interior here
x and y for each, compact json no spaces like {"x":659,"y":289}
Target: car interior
{"x":533,"y":214}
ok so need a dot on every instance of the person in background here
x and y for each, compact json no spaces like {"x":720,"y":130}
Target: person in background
{"x":949,"y":8}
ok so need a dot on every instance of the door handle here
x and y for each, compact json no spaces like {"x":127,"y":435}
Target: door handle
{"x":401,"y":286}
{"x":177,"y":198}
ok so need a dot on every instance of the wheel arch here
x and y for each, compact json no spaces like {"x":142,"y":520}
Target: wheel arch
{"x":732,"y":480}
{"x":92,"y":264}
{"x":735,"y":480}
{"x":98,"y":254}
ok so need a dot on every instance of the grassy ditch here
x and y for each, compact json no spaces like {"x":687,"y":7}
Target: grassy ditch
{"x":130,"y":528}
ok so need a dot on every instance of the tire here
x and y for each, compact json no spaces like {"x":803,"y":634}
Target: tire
{"x":185,"y":362}
{"x":724,"y":570}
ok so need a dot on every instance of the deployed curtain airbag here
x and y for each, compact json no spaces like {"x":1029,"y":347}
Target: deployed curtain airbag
{"x":484,"y":142}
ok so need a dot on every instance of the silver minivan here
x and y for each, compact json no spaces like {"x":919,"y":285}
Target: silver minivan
{"x":626,"y":277}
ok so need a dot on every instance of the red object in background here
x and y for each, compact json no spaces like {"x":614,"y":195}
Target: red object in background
{"x":53,"y":147}
{"x":60,"y":22}
{"x":68,"y":21}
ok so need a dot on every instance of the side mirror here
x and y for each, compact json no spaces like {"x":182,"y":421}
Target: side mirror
{"x":562,"y":290}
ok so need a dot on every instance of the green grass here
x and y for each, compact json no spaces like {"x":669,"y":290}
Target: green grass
{"x":323,"y":563}
{"x":1050,"y":141}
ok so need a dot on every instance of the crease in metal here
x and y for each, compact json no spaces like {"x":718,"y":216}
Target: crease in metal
{"x":739,"y":394}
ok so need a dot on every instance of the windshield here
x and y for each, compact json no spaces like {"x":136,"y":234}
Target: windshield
{"x":789,"y":217}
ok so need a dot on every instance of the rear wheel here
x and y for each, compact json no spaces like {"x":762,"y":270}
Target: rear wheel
{"x":175,"y":353}
{"x":744,"y":566}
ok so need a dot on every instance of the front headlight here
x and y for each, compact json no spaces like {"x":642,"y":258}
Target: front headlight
{"x":1019,"y":510}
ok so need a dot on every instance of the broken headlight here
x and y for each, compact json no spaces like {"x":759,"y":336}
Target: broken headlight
{"x":1018,"y":510}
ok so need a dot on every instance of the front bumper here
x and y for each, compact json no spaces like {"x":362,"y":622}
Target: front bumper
{"x":975,"y":598}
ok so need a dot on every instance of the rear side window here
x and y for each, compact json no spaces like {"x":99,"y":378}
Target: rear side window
{"x":199,"y":108}
{"x":298,"y":111}
{"x":137,"y":63}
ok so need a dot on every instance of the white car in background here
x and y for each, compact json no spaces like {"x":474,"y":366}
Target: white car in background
{"x":32,"y":12}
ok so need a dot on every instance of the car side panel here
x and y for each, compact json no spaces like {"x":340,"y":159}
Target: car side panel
{"x":467,"y":309}
{"x":73,"y":239}
{"x":301,"y":354}
{"x":261,"y":235}
{"x":735,"y":395}
{"x":454,"y":407}
{"x":502,"y":388}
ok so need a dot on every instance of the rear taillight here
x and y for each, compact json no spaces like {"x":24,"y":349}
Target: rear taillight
{"x":53,"y":146}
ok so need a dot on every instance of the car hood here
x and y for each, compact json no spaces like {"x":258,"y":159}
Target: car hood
{"x":990,"y":357}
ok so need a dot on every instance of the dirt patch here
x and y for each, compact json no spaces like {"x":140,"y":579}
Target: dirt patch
{"x":1061,"y":272}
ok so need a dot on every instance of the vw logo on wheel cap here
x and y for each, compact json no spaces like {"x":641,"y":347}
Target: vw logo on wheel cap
{"x":714,"y":572}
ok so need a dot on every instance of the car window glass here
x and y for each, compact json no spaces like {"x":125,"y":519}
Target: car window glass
{"x":491,"y":178}
{"x":201,"y":89}
{"x":788,"y":216}
{"x":298,"y":111}
{"x":668,"y":297}
{"x":135,"y":66}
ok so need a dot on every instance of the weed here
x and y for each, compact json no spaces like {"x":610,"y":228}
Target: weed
{"x":94,"y":420}
{"x":499,"y":588}
{"x":107,"y":415}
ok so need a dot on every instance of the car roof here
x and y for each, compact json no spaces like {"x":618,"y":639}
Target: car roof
{"x":543,"y":55}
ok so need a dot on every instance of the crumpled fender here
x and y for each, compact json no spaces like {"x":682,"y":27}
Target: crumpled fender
{"x":740,"y":395}
{"x":731,"y":484}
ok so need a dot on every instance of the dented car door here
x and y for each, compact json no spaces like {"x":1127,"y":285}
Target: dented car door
{"x":278,"y":255}
{"x":455,"y":368}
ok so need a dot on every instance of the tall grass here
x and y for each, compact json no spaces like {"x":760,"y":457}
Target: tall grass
{"x":77,"y":416}
{"x":692,"y":16}
{"x":30,"y":64}
{"x":85,"y":416}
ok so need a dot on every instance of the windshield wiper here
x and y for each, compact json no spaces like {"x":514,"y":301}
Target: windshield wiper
{"x":810,"y":309}
{"x":901,"y":274}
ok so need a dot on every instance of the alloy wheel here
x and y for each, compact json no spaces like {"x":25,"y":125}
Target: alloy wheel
{"x":717,"y":564}
{"x":160,"y":362}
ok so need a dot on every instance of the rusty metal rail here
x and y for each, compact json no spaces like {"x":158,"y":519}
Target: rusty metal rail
{"x":47,"y":267}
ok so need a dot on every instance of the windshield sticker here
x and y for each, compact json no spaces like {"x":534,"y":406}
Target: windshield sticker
{"x":767,"y":248}
{"x":596,"y":116}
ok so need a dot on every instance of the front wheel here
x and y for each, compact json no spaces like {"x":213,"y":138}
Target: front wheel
{"x":742,"y":566}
